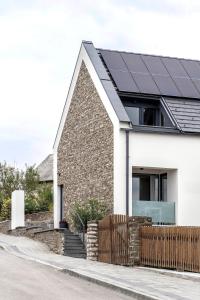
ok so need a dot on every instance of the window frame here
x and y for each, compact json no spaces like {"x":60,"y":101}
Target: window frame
{"x":160,"y":185}
{"x":143,"y":103}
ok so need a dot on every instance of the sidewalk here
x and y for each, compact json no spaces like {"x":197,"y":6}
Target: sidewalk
{"x":142,"y":283}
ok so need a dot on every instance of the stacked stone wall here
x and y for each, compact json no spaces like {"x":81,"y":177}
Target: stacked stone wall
{"x":92,"y":241}
{"x":5,"y":226}
{"x":85,"y":151}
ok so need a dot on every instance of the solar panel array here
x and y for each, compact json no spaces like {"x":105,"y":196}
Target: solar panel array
{"x":148,"y":74}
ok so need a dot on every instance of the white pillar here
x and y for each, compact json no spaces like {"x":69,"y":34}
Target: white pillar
{"x":17,"y":209}
{"x":56,"y":193}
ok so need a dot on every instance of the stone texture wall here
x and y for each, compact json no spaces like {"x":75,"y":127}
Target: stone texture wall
{"x":54,"y":239}
{"x":92,"y":240}
{"x":40,"y":216}
{"x":85,"y":151}
{"x":5,"y":226}
{"x":134,"y":238}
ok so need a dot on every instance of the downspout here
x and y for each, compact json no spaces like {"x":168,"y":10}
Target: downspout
{"x":127,"y":172}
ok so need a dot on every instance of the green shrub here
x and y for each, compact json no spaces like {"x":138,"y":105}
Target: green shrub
{"x":40,"y":200}
{"x":6,"y":210}
{"x":45,"y":197}
{"x":31,"y":204}
{"x":38,"y":197}
{"x":92,"y":209}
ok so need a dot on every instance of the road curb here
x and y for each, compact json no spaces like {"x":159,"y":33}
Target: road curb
{"x":124,"y":290}
{"x":129,"y":292}
{"x":173,"y":274}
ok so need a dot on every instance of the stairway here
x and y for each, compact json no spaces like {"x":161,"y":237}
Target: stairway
{"x":73,"y":245}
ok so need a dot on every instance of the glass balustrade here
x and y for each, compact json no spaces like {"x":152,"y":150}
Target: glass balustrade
{"x":160,"y":212}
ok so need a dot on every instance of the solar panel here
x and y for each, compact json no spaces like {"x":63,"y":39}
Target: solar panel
{"x":134,"y":63}
{"x":174,"y":67}
{"x":113,"y":60}
{"x":192,"y":67}
{"x":154,"y":65}
{"x":167,"y":76}
{"x":166,"y":85}
{"x":186,"y":87}
{"x":124,"y":81}
{"x":145,"y":83}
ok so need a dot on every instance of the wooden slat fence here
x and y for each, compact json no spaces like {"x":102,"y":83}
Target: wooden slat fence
{"x":113,"y":240}
{"x":174,"y":247}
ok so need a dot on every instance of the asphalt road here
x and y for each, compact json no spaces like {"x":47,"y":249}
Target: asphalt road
{"x":26,"y":280}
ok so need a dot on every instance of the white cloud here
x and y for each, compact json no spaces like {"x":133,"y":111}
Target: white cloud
{"x":39,"y":46}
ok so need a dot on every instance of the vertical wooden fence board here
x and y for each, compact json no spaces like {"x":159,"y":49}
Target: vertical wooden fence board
{"x":113,"y":240}
{"x":174,"y":247}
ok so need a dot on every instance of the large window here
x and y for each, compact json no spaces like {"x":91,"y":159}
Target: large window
{"x":149,"y":187}
{"x":146,"y":112}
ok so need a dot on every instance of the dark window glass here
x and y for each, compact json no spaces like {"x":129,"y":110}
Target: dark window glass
{"x":149,"y":187}
{"x":163,"y":187}
{"x":162,"y":119}
{"x":144,"y":188}
{"x":149,"y":116}
{"x":146,"y":112}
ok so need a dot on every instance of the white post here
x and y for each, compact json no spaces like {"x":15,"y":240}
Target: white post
{"x":17,"y":209}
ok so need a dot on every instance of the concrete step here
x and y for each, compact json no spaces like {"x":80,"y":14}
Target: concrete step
{"x":73,"y":245}
{"x":71,"y":248}
{"x":73,"y":241}
{"x":76,"y":255}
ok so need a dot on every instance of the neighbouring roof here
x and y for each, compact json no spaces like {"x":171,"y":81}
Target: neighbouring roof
{"x":45,"y":169}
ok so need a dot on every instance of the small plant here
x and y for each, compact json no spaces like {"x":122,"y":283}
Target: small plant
{"x":92,"y":209}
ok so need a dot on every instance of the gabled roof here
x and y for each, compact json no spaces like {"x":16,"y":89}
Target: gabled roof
{"x":150,"y":74}
{"x":45,"y":169}
{"x":175,"y":81}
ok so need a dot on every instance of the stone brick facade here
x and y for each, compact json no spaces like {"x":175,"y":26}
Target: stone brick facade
{"x":134,"y":225}
{"x":85,"y":151}
{"x":92,"y":240}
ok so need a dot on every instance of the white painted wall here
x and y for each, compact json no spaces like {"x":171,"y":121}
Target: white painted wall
{"x":17,"y":209}
{"x":181,"y":154}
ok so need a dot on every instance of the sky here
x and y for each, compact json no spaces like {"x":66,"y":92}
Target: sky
{"x":39,"y":44}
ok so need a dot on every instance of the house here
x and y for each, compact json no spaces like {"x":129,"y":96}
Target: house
{"x":45,"y":170}
{"x":129,"y":135}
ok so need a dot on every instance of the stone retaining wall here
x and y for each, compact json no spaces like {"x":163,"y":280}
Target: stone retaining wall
{"x":39,"y":216}
{"x":53,"y":238}
{"x":5,"y":226}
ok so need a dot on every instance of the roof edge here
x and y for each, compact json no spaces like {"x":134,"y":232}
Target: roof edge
{"x":106,"y":82}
